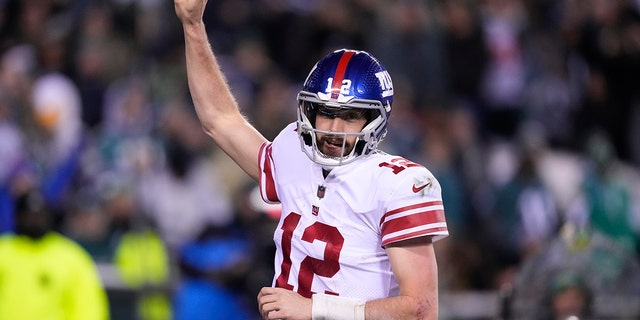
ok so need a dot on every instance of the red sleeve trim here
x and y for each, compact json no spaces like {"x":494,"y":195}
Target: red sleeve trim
{"x":400,"y":210}
{"x":422,"y":219}
{"x":267,"y":182}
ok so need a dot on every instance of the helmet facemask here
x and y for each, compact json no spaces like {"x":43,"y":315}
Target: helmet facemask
{"x":366,"y":141}
{"x":347,"y":84}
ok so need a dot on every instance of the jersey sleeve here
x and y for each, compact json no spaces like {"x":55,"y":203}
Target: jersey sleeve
{"x":414,"y":209}
{"x":267,"y":174}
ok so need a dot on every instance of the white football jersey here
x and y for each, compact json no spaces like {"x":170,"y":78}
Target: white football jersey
{"x":332,"y":232}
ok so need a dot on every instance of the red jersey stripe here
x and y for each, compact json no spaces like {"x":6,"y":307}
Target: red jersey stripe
{"x":413,"y":220}
{"x":339,"y":75}
{"x":431,"y":231}
{"x":267,"y":184}
{"x":407,"y":208}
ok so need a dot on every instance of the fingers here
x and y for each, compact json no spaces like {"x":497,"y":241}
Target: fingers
{"x":269,"y":311}
{"x":272,"y":303}
{"x":190,"y":11}
{"x":279,"y":303}
{"x":267,"y":302}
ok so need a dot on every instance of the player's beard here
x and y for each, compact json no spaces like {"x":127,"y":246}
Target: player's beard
{"x":332,"y":146}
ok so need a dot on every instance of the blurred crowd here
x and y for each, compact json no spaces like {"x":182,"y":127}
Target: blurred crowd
{"x":527,"y":111}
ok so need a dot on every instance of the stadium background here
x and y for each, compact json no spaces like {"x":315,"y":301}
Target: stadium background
{"x":527,"y":111}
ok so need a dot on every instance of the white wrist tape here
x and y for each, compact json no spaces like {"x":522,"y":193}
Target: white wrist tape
{"x":329,"y":307}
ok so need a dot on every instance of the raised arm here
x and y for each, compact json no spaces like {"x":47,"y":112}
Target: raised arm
{"x":216,"y":107}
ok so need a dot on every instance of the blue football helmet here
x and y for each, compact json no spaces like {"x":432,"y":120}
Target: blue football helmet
{"x":345,"y":80}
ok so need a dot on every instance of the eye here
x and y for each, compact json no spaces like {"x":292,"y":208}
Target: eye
{"x":328,"y":111}
{"x":352,"y":115}
{"x":344,"y":114}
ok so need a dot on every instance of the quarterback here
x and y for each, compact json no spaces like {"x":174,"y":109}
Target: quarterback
{"x":355,"y":238}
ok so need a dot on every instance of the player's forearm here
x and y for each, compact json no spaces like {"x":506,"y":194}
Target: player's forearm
{"x":402,"y":307}
{"x":210,"y":92}
{"x":215,"y":105}
{"x":329,"y":307}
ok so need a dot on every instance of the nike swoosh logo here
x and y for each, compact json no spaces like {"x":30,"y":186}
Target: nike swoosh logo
{"x":417,"y":189}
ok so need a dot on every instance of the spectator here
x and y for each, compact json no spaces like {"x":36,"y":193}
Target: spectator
{"x":12,"y":153}
{"x":575,"y":258}
{"x":188,"y":186}
{"x":570,"y":296}
{"x":45,"y":275}
{"x":523,"y":214}
{"x":605,"y":203}
{"x":56,"y":151}
{"x":213,"y":267}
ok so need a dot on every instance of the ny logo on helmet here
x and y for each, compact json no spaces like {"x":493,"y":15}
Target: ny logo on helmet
{"x":385,"y":83}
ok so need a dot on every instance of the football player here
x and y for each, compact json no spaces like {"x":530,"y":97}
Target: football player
{"x":355,"y":238}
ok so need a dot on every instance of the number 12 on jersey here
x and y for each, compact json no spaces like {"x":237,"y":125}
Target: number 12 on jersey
{"x":309,"y":266}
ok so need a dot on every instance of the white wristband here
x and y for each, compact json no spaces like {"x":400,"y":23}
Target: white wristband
{"x":329,"y":307}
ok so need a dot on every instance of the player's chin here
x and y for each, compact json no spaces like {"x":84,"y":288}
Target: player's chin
{"x":331,"y":150}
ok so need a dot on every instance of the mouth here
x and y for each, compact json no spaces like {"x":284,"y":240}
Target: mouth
{"x":333,"y":147}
